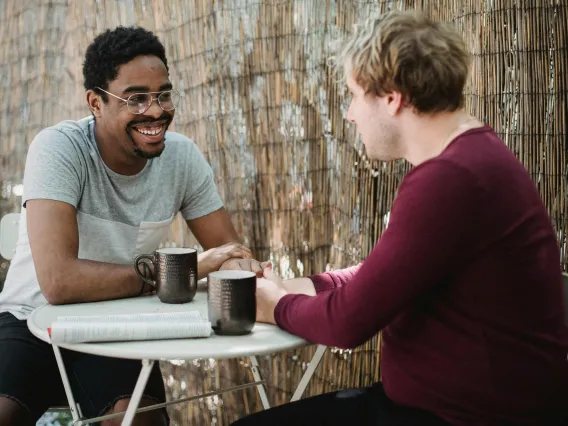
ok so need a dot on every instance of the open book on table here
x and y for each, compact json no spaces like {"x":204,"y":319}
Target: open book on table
{"x":125,"y":327}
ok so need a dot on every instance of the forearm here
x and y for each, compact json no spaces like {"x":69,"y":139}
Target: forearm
{"x":80,"y":280}
{"x":328,"y":319}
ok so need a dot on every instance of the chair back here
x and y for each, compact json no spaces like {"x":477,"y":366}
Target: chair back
{"x":9,"y":229}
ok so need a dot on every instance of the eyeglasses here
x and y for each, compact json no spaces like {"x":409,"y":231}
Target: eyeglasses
{"x":138,"y":103}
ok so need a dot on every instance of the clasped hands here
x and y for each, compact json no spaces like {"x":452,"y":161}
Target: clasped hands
{"x":229,"y":256}
{"x":269,"y":286}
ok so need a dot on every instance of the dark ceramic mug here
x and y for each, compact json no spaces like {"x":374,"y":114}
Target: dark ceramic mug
{"x":231,"y":301}
{"x":175,"y":272}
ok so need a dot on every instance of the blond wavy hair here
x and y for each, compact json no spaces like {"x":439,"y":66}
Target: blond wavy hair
{"x":424,"y":60}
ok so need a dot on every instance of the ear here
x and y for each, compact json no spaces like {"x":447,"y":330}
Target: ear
{"x":394,"y":103}
{"x":94,"y":102}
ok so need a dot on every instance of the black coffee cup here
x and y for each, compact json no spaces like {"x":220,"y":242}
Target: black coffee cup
{"x":231,"y":301}
{"x":175,"y":270}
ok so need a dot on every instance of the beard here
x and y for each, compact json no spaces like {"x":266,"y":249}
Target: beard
{"x":139,"y":151}
{"x":149,"y":155}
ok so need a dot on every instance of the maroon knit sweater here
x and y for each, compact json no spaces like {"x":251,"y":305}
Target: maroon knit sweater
{"x":466,"y":285}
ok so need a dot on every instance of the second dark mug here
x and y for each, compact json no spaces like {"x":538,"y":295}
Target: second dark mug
{"x":231,"y":301}
{"x":175,"y":273}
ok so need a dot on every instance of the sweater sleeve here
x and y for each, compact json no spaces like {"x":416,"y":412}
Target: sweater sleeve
{"x":333,"y":279}
{"x":427,"y":238}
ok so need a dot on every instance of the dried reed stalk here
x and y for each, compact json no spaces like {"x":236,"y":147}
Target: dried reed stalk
{"x":264,"y":108}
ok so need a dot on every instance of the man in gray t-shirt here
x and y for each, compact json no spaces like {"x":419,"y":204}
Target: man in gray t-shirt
{"x":97,"y":192}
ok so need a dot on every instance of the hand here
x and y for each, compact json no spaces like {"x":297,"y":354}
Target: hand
{"x":247,"y":265}
{"x":212,"y":259}
{"x":147,"y":290}
{"x":269,"y":291}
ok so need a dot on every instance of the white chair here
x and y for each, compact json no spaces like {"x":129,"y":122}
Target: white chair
{"x":9,"y":228}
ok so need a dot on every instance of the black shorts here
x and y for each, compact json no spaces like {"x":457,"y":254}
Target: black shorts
{"x":29,"y":374}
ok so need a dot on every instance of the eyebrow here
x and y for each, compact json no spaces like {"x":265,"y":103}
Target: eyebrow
{"x":143,"y":89}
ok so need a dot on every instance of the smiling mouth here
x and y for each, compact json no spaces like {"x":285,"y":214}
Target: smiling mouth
{"x":150,"y":130}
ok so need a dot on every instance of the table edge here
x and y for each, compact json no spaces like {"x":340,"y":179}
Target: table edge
{"x":102,"y":349}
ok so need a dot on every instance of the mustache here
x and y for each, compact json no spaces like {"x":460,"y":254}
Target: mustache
{"x":167,"y":118}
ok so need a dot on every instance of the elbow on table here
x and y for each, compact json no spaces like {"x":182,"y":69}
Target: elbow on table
{"x":53,"y":290}
{"x":54,"y":296}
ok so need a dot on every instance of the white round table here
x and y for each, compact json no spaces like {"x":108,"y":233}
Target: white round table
{"x":263,"y":339}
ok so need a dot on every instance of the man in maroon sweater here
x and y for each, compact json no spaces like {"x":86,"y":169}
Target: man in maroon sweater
{"x":466,"y":281}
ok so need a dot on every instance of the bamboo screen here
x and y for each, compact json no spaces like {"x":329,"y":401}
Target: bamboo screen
{"x":262,"y":105}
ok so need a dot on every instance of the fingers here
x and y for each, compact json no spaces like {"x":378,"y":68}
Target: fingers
{"x":255,"y":266}
{"x":230,"y":264}
{"x":237,"y":250}
{"x":270,"y":275}
{"x":267,"y":264}
{"x":243,"y":264}
{"x":262,"y":282}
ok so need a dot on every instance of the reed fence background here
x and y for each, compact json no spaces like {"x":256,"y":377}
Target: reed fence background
{"x":263,"y":106}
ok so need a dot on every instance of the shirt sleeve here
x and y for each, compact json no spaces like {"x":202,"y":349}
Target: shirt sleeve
{"x":201,"y":197}
{"x":333,"y":279}
{"x":427,"y":238}
{"x":53,"y":169}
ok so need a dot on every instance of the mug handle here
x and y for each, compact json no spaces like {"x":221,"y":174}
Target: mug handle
{"x":137,"y":262}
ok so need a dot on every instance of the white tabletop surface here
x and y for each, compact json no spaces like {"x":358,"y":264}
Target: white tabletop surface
{"x":263,"y":339}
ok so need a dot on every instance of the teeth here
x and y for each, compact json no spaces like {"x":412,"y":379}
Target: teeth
{"x":148,"y":131}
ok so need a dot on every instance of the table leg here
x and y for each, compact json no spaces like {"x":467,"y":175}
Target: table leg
{"x":316,"y":359}
{"x":75,"y":413}
{"x":258,"y":377}
{"x":138,"y":391}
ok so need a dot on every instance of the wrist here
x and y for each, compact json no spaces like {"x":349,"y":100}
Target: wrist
{"x":227,"y":261}
{"x":203,"y":269}
{"x":275,"y":301}
{"x":146,"y":288}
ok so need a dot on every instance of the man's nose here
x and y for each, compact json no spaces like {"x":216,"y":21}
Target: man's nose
{"x":154,"y":110}
{"x":349,"y":115}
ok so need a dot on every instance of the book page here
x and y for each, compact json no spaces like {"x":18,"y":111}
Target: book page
{"x":128,"y":327}
{"x":173,"y":317}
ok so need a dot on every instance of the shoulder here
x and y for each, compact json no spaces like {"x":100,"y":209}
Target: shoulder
{"x":65,"y":136}
{"x":440,"y":172}
{"x":181,"y":148}
{"x":439,"y":186}
{"x":179,"y":143}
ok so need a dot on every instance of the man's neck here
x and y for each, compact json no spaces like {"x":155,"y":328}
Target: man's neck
{"x":114,"y":157}
{"x":427,"y":136}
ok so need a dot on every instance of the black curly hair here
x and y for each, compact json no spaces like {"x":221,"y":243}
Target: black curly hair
{"x":113,"y":48}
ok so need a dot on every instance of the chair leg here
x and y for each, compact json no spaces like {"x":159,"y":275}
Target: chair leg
{"x":73,"y":406}
{"x":258,"y":377}
{"x":316,"y":359}
{"x":138,"y":391}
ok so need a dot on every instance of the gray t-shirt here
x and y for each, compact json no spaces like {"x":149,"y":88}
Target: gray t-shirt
{"x":118,"y":216}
